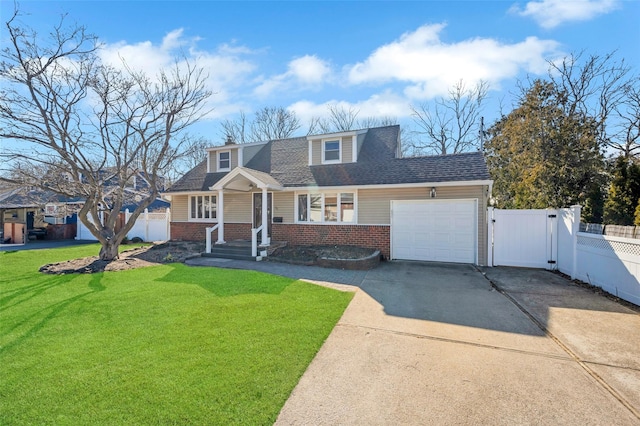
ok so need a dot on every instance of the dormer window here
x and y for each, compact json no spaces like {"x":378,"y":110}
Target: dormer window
{"x":331,"y":151}
{"x":224,"y":161}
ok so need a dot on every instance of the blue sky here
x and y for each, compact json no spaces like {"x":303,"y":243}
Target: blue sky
{"x":375,"y":57}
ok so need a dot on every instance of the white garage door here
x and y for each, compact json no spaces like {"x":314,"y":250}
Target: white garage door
{"x":434,"y":230}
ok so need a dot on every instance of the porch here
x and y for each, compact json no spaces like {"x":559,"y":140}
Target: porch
{"x":246,"y":180}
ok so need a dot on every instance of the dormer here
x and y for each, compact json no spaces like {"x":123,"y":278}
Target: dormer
{"x":221,"y":159}
{"x":335,"y":148}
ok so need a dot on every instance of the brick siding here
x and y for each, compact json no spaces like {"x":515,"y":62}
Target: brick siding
{"x":196,"y":231}
{"x":370,"y":236}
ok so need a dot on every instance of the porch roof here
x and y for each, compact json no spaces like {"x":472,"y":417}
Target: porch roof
{"x":246,"y":179}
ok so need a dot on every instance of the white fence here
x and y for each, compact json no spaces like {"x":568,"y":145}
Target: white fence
{"x":612,"y":263}
{"x":148,"y":227}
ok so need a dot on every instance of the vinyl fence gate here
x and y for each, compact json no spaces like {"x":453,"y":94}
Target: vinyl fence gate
{"x":527,"y":238}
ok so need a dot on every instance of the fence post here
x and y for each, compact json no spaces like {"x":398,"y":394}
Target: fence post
{"x":146,"y":224}
{"x":490,"y":236}
{"x":167,"y":221}
{"x":552,"y":236}
{"x":575,"y":227}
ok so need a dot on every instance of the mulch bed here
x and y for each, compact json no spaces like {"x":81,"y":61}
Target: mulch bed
{"x":309,"y":255}
{"x":138,"y":257}
{"x":179,"y":251}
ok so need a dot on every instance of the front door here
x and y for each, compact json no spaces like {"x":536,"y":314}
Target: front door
{"x":257,"y":213}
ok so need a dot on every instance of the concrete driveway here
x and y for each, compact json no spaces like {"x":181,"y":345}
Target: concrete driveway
{"x":438,"y":344}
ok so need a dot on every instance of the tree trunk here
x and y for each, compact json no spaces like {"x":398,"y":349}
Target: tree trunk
{"x":109,"y":250}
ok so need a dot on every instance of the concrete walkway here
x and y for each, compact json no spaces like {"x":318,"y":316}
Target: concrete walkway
{"x":444,"y":344}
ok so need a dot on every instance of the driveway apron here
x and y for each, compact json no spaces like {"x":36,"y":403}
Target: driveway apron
{"x":434,"y":343}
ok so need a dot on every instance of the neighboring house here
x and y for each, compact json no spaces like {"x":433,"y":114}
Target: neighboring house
{"x":26,"y":213}
{"x":347,"y":188}
{"x":34,"y":213}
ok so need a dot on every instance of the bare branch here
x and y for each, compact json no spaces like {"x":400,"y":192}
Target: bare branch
{"x":450,"y":125}
{"x":88,"y":128}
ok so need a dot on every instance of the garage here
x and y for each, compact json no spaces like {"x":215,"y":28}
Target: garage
{"x":434,"y":230}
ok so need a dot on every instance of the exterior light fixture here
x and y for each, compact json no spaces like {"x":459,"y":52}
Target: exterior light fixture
{"x":433,"y":192}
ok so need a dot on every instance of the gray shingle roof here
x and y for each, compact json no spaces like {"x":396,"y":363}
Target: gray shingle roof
{"x":286,"y":161}
{"x":24,"y":198}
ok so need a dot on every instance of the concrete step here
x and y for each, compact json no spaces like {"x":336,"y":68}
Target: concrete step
{"x":233,"y":256}
{"x":230,"y":252}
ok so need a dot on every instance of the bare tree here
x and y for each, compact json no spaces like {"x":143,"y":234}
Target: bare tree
{"x":193,"y":152}
{"x":600,"y":87}
{"x":274,"y":123}
{"x":236,"y":130}
{"x":339,"y":119}
{"x":90,"y":126}
{"x":369,"y":122}
{"x":450,"y":124}
{"x":268,"y":123}
{"x":627,"y":137}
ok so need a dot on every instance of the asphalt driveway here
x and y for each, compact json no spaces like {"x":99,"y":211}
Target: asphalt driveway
{"x":43,"y":244}
{"x":439,"y":344}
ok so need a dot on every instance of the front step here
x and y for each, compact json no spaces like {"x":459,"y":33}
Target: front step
{"x":227,"y":251}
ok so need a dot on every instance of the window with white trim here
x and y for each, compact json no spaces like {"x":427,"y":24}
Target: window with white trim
{"x":224,"y":161}
{"x":202,"y":207}
{"x":331,"y":151}
{"x":329,"y":207}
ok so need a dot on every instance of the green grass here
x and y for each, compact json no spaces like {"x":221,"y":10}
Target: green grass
{"x":166,"y":344}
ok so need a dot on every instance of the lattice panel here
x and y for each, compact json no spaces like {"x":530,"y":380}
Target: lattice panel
{"x":613,"y":246}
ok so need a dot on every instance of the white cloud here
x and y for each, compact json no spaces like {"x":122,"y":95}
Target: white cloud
{"x":226,"y":66}
{"x":551,"y":13}
{"x":385,"y":104}
{"x":431,"y":66}
{"x":307,"y":72}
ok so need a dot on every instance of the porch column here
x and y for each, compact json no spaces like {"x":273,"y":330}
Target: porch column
{"x":220,"y":213}
{"x":265,"y":225}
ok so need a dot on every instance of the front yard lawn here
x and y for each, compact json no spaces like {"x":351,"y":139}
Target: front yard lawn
{"x":166,"y":344}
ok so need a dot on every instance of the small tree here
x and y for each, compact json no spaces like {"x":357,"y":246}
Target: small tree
{"x":624,"y":193}
{"x":91,"y":126}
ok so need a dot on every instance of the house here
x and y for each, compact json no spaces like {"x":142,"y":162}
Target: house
{"x":31,"y":213}
{"x":28,"y":213}
{"x":347,"y":188}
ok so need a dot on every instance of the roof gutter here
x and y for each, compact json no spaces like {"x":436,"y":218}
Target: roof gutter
{"x":397,"y":185}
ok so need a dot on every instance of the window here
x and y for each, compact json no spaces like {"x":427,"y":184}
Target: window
{"x":331,"y":207}
{"x":203,"y":207}
{"x":326,"y":208}
{"x":331,"y":152}
{"x":315,"y":201}
{"x":224,"y":161}
{"x":302,"y":208}
{"x":347,"y":207}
